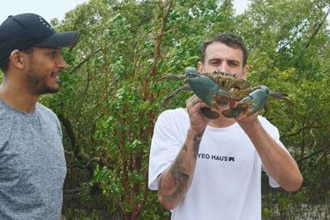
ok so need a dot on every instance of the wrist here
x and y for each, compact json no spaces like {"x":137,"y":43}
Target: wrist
{"x":250,"y":126}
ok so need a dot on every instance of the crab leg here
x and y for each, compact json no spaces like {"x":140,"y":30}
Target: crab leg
{"x":175,"y":93}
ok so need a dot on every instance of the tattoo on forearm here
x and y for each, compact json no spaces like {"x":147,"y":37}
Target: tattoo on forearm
{"x":179,"y":169}
{"x":196,"y":141}
{"x":180,"y":176}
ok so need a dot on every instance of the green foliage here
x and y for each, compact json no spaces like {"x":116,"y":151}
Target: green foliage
{"x":111,"y":93}
{"x":289,"y":42}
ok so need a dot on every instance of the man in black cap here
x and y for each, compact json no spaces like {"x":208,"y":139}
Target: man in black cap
{"x":32,"y":162}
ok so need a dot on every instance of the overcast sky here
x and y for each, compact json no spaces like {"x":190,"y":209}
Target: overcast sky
{"x":49,"y":9}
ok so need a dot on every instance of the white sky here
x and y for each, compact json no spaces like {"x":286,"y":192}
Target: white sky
{"x":49,"y":9}
{"x":240,"y":6}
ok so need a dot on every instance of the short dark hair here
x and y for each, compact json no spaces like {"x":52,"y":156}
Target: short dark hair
{"x":4,"y":63}
{"x":231,"y":40}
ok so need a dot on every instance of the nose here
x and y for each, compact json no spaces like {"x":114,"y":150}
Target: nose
{"x":223,"y":67}
{"x":61,"y":62}
{"x":227,"y":68}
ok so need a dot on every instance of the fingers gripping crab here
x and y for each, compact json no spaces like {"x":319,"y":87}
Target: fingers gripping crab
{"x":221,"y":88}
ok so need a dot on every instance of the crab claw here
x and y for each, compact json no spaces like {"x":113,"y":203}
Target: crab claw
{"x":209,"y":113}
{"x":191,"y":71}
{"x":209,"y":92}
{"x":249,"y":105}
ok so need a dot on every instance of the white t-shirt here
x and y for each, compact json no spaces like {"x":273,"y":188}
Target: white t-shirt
{"x":227,"y":179}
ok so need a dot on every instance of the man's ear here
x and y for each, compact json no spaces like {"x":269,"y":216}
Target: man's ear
{"x":200,"y":67}
{"x":16,"y":58}
{"x":245,"y":72}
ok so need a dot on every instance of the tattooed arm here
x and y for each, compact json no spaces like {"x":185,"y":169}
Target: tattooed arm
{"x":174,"y":182}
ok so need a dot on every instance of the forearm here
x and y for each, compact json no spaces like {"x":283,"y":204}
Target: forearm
{"x":175,"y":181}
{"x":278,"y":163}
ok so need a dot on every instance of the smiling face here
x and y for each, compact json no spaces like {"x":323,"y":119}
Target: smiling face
{"x":43,"y":69}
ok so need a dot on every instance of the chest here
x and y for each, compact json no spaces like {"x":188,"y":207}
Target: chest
{"x":31,"y":147}
{"x":227,"y":153}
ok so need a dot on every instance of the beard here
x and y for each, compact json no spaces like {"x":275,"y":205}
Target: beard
{"x":39,"y":85}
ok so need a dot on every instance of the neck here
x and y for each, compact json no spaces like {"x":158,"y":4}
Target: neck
{"x":18,"y":98}
{"x":221,"y":122}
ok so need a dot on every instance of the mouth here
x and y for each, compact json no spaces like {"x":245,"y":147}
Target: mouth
{"x":56,"y":76}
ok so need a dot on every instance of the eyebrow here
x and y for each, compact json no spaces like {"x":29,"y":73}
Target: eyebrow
{"x":229,"y":60}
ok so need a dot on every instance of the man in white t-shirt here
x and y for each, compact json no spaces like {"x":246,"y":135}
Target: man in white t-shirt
{"x":211,"y":169}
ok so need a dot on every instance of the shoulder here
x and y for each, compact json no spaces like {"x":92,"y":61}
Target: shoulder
{"x":268,"y":126}
{"x":47,"y":115}
{"x":2,"y":110}
{"x":7,"y":115}
{"x":5,"y":120}
{"x":177,"y":112}
{"x":264,"y":121}
{"x":173,"y":116}
{"x":45,"y":111}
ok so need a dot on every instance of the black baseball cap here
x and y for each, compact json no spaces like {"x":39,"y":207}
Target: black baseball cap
{"x":31,"y":30}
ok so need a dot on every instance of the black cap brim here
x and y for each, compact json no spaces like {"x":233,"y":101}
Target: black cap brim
{"x":60,"y":39}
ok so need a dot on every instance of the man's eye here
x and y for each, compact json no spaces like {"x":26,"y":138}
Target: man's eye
{"x":215,"y":62}
{"x":233,"y":64}
{"x":53,"y":53}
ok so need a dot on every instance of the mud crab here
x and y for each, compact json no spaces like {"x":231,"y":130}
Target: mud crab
{"x":225,"y":88}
